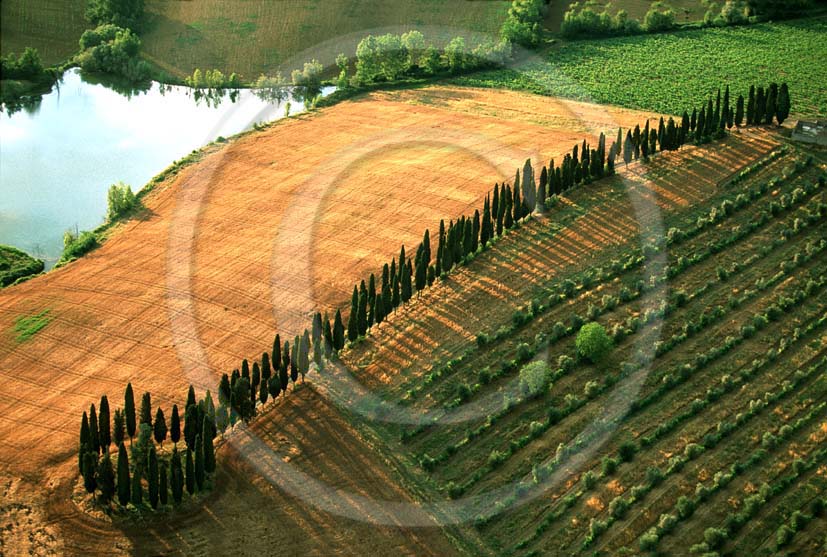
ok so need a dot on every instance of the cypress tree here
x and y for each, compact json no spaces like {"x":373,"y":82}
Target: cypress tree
{"x":106,"y":478}
{"x":693,"y":120}
{"x":380,"y":309}
{"x":118,"y":427}
{"x":137,"y":490}
{"x":276,"y":354}
{"x":739,"y":111}
{"x":328,"y":335}
{"x":353,"y":318}
{"x":317,"y":326}
{"x":628,"y":148}
{"x":146,"y":410}
{"x":500,"y":210}
{"x":304,"y":354}
{"x":190,"y":472}
{"x":751,"y":106}
{"x":104,"y":431}
{"x":644,"y":141}
{"x":372,"y":300}
{"x":772,"y":103}
{"x":508,"y":221}
{"x":152,"y":478}
{"x":636,"y":142}
{"x":396,"y":295}
{"x":760,"y":106}
{"x":199,"y":463}
{"x":711,"y":122}
{"x":123,"y":476}
{"x":94,"y":438}
{"x":266,"y":370}
{"x":426,"y":247}
{"x":285,"y":365}
{"x":85,"y":441}
{"x":716,"y":119}
{"x":129,"y":411}
{"x":701,"y":129}
{"x":208,"y":449}
{"x":475,"y":231}
{"x":163,"y":489}
{"x":274,"y":387}
{"x":338,"y":332}
{"x":467,"y":239}
{"x":725,"y":110}
{"x":294,"y":361}
{"x":245,"y":373}
{"x":160,"y":427}
{"x":175,"y":424}
{"x":90,"y":469}
{"x":784,"y":104}
{"x":191,"y":419}
{"x":255,"y":383}
{"x":421,"y":275}
{"x":495,"y":205}
{"x":406,"y":292}
{"x":661,"y":133}
{"x":362,"y":310}
{"x":224,"y":390}
{"x":431,"y":275}
{"x":541,"y":194}
{"x":517,"y":205}
{"x":176,"y":477}
{"x":262,"y":392}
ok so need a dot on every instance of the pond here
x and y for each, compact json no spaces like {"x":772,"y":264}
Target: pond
{"x":58,"y":159}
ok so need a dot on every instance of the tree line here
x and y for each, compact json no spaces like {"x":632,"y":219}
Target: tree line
{"x":371,"y":303}
{"x":164,"y":473}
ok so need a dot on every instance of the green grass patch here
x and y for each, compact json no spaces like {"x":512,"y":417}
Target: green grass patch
{"x":27,"y":326}
{"x":16,"y":265}
{"x":670,"y":72}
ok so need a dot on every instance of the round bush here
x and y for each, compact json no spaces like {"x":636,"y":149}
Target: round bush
{"x":593,"y":342}
{"x":534,"y":378}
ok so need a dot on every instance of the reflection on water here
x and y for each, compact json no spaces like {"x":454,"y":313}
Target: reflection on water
{"x":59,"y":156}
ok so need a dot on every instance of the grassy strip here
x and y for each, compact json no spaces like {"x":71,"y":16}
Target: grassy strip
{"x":28,"y":325}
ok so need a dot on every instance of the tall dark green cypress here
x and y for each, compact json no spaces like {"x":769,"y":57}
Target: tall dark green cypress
{"x":199,"y":463}
{"x":468,"y":237}
{"x":146,"y":410}
{"x":85,"y":444}
{"x":152,"y":477}
{"x":209,"y":448}
{"x":406,"y":288}
{"x":380,"y":311}
{"x":495,"y":204}
{"x":328,"y":335}
{"x":191,"y":423}
{"x":485,"y":231}
{"x":475,"y":231}
{"x":772,"y":103}
{"x":190,"y":472}
{"x":711,"y":121}
{"x":760,"y":106}
{"x":136,"y":489}
{"x":338,"y":332}
{"x":176,"y":477}
{"x":317,"y":327}
{"x":304,"y":354}
{"x":106,"y":478}
{"x":628,"y":148}
{"x":508,"y":221}
{"x":124,"y":484}
{"x":371,"y":300}
{"x":275,"y":356}
{"x":285,"y":365}
{"x":90,"y":470}
{"x":118,"y":427}
{"x":263,"y":390}
{"x":784,"y":104}
{"x":294,"y":361}
{"x":274,"y":387}
{"x":353,"y":317}
{"x":362,"y":310}
{"x":751,"y":106}
{"x":129,"y":411}
{"x":104,"y":431}
{"x":163,"y":487}
{"x":500,"y":209}
{"x":159,"y":428}
{"x":175,"y":424}
{"x":739,"y":111}
{"x":266,"y":369}
{"x":255,"y":382}
{"x":94,"y":438}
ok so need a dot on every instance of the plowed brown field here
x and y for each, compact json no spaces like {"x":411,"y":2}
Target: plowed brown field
{"x":248,"y":241}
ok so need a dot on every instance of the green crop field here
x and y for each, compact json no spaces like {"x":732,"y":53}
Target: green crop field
{"x":727,"y":420}
{"x":668,"y":72}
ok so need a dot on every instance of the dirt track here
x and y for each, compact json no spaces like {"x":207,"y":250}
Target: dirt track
{"x":245,"y":243}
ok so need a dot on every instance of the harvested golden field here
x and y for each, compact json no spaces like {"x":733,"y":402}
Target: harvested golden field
{"x":246,"y":242}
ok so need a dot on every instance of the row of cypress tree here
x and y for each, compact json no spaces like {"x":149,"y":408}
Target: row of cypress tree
{"x":162,"y":474}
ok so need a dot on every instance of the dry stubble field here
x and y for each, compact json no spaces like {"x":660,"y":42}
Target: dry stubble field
{"x":272,"y":242}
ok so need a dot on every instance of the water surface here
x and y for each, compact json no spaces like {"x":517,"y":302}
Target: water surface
{"x":58,"y":159}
